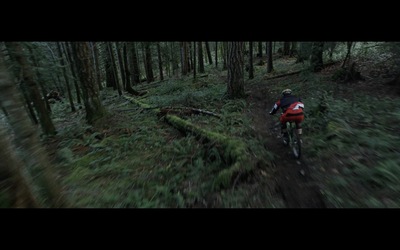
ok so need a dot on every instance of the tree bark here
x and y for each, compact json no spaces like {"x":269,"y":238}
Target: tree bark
{"x":251,"y":68}
{"x":149,"y":63}
{"x":201,"y":59}
{"x":61,"y":54}
{"x":235,"y":70}
{"x":194,"y":61}
{"x":93,"y":106}
{"x":31,"y":151}
{"x":316,"y":62}
{"x":28,"y":76}
{"x":216,"y":54}
{"x":72,"y":63}
{"x":259,"y":54}
{"x":270,"y":65}
{"x":209,"y":53}
{"x":160,"y":67}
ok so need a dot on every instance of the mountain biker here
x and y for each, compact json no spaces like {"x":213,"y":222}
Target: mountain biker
{"x":292,"y":110}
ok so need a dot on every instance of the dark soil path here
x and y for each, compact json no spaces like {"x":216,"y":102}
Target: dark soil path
{"x":293,"y":181}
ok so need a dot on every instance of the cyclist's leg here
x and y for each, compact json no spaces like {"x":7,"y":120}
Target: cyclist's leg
{"x":298,"y":121}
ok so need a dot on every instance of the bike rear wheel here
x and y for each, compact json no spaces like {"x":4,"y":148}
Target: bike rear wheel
{"x":294,"y":140}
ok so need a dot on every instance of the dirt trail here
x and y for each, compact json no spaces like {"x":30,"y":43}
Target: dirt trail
{"x":293,"y":181}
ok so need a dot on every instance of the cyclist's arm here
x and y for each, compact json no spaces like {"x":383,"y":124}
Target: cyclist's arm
{"x":275,"y":108}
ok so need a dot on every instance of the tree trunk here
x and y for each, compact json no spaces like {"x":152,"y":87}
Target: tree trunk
{"x":201,"y":60}
{"x":270,"y":66}
{"x":149,"y":63}
{"x":216,"y":55}
{"x":316,"y":62}
{"x":72,"y":64}
{"x":121,"y":66}
{"x":286,"y":48}
{"x":29,"y":146}
{"x":135,"y":64}
{"x":114,"y":68}
{"x":235,"y":70}
{"x":28,"y":76}
{"x":209,"y":53}
{"x":61,"y":54}
{"x":251,"y":68}
{"x":15,"y":184}
{"x":93,"y":106}
{"x":224,"y":55}
{"x":190,"y":56}
{"x":160,"y":62}
{"x":259,"y":54}
{"x":348,"y":54}
{"x":194,"y":61}
{"x":40,"y":79}
{"x":266,"y":48}
{"x":293,"y":49}
{"x":97,"y":63}
{"x":184,"y":58}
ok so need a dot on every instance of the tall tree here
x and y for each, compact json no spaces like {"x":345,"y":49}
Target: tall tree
{"x":184,"y":58}
{"x":97,"y":64}
{"x":235,"y":70}
{"x":135,"y":64}
{"x":114,"y":66}
{"x":216,"y":54}
{"x":149,"y":63}
{"x":127,"y":72}
{"x":160,"y":67}
{"x":201,"y":59}
{"x":40,"y":79}
{"x":209,"y":53}
{"x":251,"y":68}
{"x":316,"y":62}
{"x":259,"y":49}
{"x":61,"y":54}
{"x":286,"y":48}
{"x":293,"y":48}
{"x":224,"y":55}
{"x":125,"y":80}
{"x":31,"y":152}
{"x":194,"y":60}
{"x":28,"y":77}
{"x":348,"y":54}
{"x":174,"y":60}
{"x":270,"y":66}
{"x":93,"y":106}
{"x":69,"y":52}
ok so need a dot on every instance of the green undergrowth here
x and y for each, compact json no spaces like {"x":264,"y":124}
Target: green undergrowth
{"x":136,"y":159}
{"x":362,"y":135}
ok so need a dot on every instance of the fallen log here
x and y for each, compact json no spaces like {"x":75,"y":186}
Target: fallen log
{"x":235,"y":151}
{"x":297,"y":72}
{"x":186,"y":111}
{"x":283,"y":75}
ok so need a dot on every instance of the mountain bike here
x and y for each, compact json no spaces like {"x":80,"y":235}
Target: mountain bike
{"x":294,"y":139}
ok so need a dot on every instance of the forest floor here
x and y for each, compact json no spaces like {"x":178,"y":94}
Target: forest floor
{"x":135,"y":159}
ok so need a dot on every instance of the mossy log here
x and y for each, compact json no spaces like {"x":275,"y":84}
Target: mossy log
{"x":235,"y":151}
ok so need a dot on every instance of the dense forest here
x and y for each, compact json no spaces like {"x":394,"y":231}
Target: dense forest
{"x":136,"y":124}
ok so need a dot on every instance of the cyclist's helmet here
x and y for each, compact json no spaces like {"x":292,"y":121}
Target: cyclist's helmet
{"x":286,"y":92}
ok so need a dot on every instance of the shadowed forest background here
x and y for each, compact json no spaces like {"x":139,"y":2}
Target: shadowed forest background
{"x":186,"y":125}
